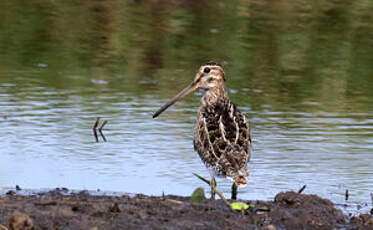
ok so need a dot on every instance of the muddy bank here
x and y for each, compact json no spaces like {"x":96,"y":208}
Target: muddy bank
{"x":58,"y":209}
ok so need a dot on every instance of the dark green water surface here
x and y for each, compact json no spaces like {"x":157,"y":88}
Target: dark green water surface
{"x":302,"y":72}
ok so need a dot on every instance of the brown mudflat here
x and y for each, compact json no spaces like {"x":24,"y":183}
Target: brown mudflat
{"x":56,"y":210}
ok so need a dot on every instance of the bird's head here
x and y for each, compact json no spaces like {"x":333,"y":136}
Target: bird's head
{"x":209,"y":76}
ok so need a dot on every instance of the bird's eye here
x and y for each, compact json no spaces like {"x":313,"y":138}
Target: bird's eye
{"x":206,"y":70}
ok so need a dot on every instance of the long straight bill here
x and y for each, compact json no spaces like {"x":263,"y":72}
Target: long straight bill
{"x":179,"y":96}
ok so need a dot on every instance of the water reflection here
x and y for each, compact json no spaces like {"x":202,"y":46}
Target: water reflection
{"x":301,"y":71}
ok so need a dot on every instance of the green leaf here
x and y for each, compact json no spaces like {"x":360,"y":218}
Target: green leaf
{"x":239,"y":206}
{"x":263,"y":208}
{"x":198,"y":195}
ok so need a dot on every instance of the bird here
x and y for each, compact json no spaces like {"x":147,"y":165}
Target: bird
{"x":222,"y":136}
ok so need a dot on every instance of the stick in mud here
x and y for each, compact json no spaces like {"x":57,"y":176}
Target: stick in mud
{"x":302,"y":189}
{"x":99,"y":129}
{"x":94,"y":129}
{"x":371,"y":197}
{"x":102,"y":125}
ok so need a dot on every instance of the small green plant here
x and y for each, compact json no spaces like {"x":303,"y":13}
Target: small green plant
{"x":198,"y":195}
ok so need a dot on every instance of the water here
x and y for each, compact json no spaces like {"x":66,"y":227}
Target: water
{"x":301,"y":72}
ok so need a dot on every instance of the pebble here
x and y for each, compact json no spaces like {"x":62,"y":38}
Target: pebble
{"x":270,"y":227}
{"x":115,"y":208}
{"x":20,"y":221}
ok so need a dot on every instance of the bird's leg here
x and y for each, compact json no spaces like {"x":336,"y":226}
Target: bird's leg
{"x":234,"y":191}
{"x":213,"y":186}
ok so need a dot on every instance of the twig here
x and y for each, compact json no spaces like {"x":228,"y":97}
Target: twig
{"x":215,"y":190}
{"x":99,"y":129}
{"x":302,"y":189}
{"x":371,"y":197}
{"x":102,"y":125}
{"x":94,"y":129}
{"x":102,"y":135}
{"x":95,"y":134}
{"x":175,"y":201}
{"x":96,"y":123}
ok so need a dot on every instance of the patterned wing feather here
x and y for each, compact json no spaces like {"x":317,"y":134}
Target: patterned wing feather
{"x":222,"y":138}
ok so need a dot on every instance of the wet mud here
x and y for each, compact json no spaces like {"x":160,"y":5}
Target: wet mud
{"x":60,"y":209}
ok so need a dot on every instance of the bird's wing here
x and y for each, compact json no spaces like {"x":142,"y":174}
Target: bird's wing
{"x":222,"y":137}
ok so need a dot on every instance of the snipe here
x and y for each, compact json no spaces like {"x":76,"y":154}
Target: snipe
{"x":221,"y":134}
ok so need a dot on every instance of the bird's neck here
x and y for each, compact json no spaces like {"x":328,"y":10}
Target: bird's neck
{"x":214,"y":96}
